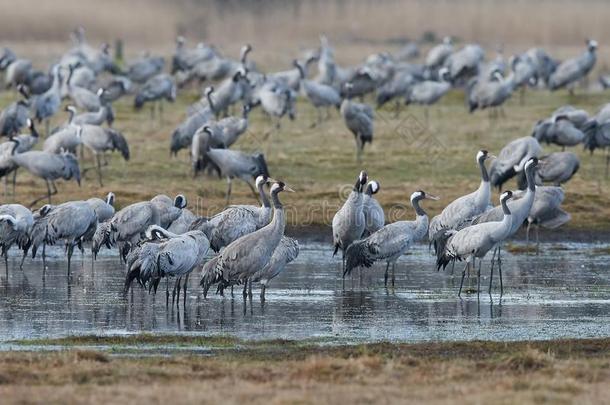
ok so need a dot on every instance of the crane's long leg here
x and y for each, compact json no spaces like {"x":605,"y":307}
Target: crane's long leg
{"x":186,"y":281}
{"x":537,"y":240}
{"x":385,"y":277}
{"x":245,"y":291}
{"x":527,"y":237}
{"x":393,"y":268}
{"x":263,"y":288}
{"x":166,"y":292}
{"x":70,"y":249}
{"x":491,"y":274}
{"x":500,"y":273}
{"x":250,"y":288}
{"x":462,"y":282}
{"x":607,"y":160}
{"x":479,"y":279}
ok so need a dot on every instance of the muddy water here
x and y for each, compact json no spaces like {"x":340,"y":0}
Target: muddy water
{"x":564,"y":292}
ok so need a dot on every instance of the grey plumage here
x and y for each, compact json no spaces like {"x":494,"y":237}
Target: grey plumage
{"x":170,"y":255}
{"x":157,"y":88}
{"x":100,"y":140}
{"x":142,"y":69}
{"x":556,"y":168}
{"x":391,"y":241}
{"x":475,"y":241}
{"x":374,"y":217}
{"x":239,"y":261}
{"x":359,"y":120}
{"x":465,"y":207}
{"x":16,"y":222}
{"x":574,"y":69}
{"x":182,"y":136}
{"x":235,"y":164}
{"x":512,"y":158}
{"x":349,"y":223}
{"x":66,"y":139}
{"x":50,"y":167}
{"x":15,"y":116}
{"x":286,"y":252}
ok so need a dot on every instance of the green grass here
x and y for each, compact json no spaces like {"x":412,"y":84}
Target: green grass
{"x":319,"y":163}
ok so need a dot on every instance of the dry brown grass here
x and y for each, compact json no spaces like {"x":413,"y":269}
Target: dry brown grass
{"x":477,"y":372}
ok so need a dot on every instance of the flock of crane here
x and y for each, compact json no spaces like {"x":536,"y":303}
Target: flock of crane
{"x":162,"y":238}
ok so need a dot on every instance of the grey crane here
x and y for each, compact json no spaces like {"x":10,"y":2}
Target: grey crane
{"x":232,"y":128}
{"x":16,"y":222}
{"x":229,"y":92}
{"x":172,"y":256}
{"x":320,"y":95}
{"x":183,"y":223}
{"x":142,"y":69}
{"x":236,"y":221}
{"x":82,"y":97}
{"x":70,"y":222}
{"x":292,"y":78}
{"x":48,"y":103}
{"x":67,"y":139}
{"x":37,"y":234}
{"x":129,"y":224}
{"x":374,"y":217}
{"x":235,"y":164}
{"x":408,"y":52}
{"x":100,"y":140}
{"x":395,"y":88}
{"x":185,"y":59}
{"x":597,"y":133}
{"x":49,"y":167}
{"x":525,"y":71}
{"x":428,"y":92}
{"x":484,"y":94}
{"x":391,"y":241}
{"x":349,"y":222}
{"x":157,"y":88}
{"x":556,"y":168}
{"x":559,"y":130}
{"x":439,"y":53}
{"x":474,"y":242}
{"x":277,"y":100}
{"x":359,"y":120}
{"x":116,"y":88}
{"x":21,"y":143}
{"x":544,"y":63}
{"x":205,"y":138}
{"x":104,"y":209}
{"x":286,"y":252}
{"x":512,"y":159}
{"x":572,"y":70}
{"x":182,"y":137}
{"x":103,"y":114}
{"x":546,"y":211}
{"x":465,"y":207}
{"x":464,"y":64}
{"x":15,"y":116}
{"x":239,"y":261}
{"x":520,"y":207}
{"x":17,"y":72}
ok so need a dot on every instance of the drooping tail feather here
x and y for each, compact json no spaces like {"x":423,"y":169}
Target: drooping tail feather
{"x":359,"y":254}
{"x":443,"y":257}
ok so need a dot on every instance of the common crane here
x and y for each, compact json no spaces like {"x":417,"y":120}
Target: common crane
{"x":391,"y":241}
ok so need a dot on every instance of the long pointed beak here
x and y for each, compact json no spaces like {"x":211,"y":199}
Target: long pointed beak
{"x":286,"y":188}
{"x":492,"y":157}
{"x":271,"y":180}
{"x":432,"y":197}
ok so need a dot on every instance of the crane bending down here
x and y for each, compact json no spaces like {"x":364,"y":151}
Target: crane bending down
{"x":474,"y":241}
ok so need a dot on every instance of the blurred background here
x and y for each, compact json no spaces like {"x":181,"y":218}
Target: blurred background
{"x":277,"y":28}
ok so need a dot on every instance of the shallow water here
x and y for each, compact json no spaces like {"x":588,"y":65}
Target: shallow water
{"x":564,"y":292}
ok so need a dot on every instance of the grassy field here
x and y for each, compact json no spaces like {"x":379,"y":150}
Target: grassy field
{"x":295,"y":372}
{"x":320,"y":163}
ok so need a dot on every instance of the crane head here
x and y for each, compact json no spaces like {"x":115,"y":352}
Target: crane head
{"x":180,"y":201}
